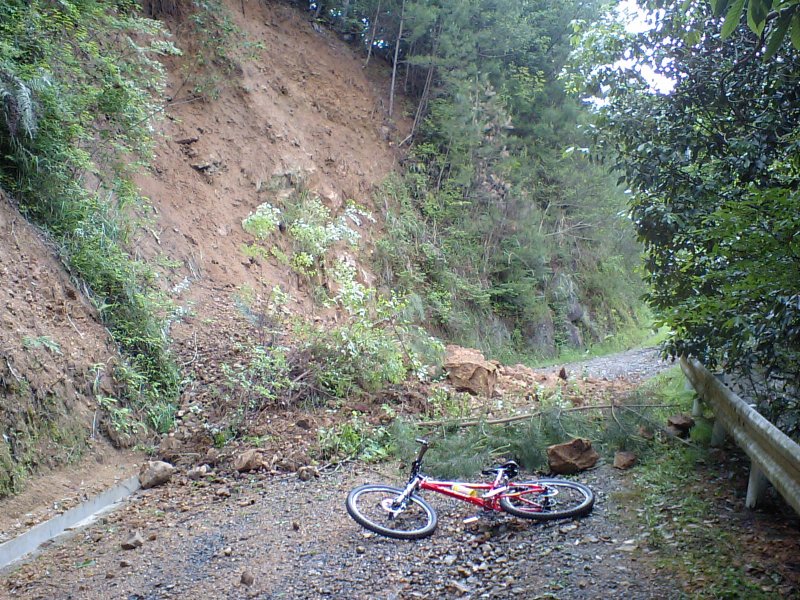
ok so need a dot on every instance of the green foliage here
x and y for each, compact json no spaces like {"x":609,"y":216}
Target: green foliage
{"x":490,"y":214}
{"x":260,"y":380}
{"x":313,"y":230}
{"x":263,"y":222}
{"x":78,"y":83}
{"x":714,"y":175}
{"x":122,"y":417}
{"x":779,"y":15}
{"x":353,"y":439}
{"x":216,"y":44}
{"x":446,"y":404}
{"x":376,"y":344}
{"x":499,"y":298}
{"x":463,"y":452}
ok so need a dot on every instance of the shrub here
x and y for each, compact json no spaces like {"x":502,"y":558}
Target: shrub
{"x":263,"y":222}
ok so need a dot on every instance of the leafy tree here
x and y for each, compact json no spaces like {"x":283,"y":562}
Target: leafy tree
{"x":714,"y":171}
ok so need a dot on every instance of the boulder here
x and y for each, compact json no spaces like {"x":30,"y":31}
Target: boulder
{"x":249,"y":460}
{"x":155,"y":472}
{"x":624,"y":460}
{"x":469,"y":371}
{"x":572,"y":457}
{"x":682,"y":423}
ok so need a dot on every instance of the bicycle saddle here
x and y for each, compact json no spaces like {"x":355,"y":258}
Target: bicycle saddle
{"x":510,"y":468}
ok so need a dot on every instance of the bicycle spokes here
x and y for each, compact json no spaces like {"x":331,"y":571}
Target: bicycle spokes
{"x":548,"y":499}
{"x":388,"y":511}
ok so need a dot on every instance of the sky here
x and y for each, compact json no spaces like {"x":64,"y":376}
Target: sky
{"x":637,"y":21}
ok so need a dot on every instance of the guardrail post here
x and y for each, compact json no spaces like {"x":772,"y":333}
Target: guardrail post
{"x":755,"y":486}
{"x":718,"y":434}
{"x":697,"y":406}
{"x":774,"y":456}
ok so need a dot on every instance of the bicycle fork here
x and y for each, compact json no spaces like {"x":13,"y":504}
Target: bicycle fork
{"x":394,"y":506}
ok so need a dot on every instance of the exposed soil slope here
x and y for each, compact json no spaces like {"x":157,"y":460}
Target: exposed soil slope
{"x":55,"y":357}
{"x":303,"y":113}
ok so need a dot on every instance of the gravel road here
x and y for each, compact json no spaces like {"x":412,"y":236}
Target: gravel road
{"x":633,"y":365}
{"x":295,"y":540}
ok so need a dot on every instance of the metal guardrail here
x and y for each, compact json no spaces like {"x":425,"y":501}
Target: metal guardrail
{"x":773,"y":455}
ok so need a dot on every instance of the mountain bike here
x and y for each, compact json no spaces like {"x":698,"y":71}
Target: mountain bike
{"x":403,"y":514}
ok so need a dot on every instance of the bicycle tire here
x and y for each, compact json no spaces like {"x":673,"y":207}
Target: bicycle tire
{"x":364,"y":505}
{"x":576,"y":500}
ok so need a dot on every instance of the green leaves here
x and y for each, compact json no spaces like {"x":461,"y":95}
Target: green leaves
{"x":714,"y":176}
{"x":777,"y":35}
{"x":718,"y":7}
{"x":732,"y":18}
{"x":796,"y":30}
{"x":757,"y":14}
{"x":784,"y":13}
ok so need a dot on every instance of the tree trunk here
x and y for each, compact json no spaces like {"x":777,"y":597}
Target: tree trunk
{"x":345,"y":10}
{"x":374,"y":31}
{"x":423,"y":101}
{"x":408,"y":69}
{"x":396,"y":54}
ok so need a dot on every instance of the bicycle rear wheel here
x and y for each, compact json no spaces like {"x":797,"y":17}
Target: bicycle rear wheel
{"x":547,"y":499}
{"x":372,"y":506}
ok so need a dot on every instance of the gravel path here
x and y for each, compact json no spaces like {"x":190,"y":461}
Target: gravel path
{"x":633,"y":365}
{"x":296,"y":541}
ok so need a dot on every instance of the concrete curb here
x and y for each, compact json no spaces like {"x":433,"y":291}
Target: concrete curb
{"x":13,"y":550}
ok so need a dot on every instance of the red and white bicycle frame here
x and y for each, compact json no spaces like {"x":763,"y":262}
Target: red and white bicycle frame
{"x":486,"y":495}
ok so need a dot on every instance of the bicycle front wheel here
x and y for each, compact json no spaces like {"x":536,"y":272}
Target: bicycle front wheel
{"x":373,"y":507}
{"x":548,"y":499}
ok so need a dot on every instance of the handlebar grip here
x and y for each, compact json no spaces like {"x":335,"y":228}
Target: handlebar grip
{"x":422,"y":450}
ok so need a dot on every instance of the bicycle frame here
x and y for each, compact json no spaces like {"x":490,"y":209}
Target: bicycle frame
{"x":489,"y":494}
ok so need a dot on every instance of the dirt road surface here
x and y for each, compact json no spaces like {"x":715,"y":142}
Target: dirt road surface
{"x":292,"y":539}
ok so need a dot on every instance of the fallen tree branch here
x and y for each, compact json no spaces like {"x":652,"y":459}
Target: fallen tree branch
{"x":658,"y":426}
{"x":505,"y":420}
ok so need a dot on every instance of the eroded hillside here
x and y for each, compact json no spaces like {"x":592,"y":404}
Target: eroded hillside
{"x":303,"y":115}
{"x":296,"y":117}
